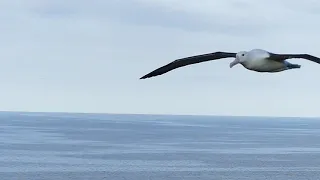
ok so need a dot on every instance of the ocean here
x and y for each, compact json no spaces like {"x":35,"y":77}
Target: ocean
{"x":61,"y":146}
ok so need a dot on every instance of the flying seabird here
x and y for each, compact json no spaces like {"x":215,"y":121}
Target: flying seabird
{"x":255,"y":60}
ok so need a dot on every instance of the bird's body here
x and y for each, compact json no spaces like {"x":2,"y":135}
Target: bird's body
{"x":255,"y":60}
{"x":259,"y":60}
{"x":262,"y":65}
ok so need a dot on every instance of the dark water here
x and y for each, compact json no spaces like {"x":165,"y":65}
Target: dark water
{"x":134,"y":147}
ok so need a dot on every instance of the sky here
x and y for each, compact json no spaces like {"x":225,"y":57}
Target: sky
{"x":88,"y":56}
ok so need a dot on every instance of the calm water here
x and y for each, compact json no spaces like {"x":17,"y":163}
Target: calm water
{"x":134,"y":147}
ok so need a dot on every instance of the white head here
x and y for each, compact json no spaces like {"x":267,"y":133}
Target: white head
{"x":240,"y":58}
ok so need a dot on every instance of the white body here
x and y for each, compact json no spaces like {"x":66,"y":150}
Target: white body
{"x":257,"y":60}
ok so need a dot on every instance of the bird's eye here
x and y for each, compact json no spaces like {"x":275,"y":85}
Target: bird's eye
{"x":242,"y":54}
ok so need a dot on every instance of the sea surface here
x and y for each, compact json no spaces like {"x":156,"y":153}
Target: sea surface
{"x":58,"y":146}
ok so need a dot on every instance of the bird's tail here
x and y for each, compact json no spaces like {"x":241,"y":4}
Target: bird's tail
{"x":293,"y":66}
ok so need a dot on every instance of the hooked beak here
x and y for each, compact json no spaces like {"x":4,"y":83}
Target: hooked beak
{"x":235,"y":62}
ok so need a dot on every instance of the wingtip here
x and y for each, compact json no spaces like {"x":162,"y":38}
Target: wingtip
{"x":144,"y":77}
{"x":149,"y":75}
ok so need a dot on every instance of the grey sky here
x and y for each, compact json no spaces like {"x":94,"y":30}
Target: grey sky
{"x":88,"y":56}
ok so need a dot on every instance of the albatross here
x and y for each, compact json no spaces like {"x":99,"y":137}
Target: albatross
{"x":257,"y":60}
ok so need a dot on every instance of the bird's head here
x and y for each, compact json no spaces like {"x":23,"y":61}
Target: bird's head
{"x":240,"y":58}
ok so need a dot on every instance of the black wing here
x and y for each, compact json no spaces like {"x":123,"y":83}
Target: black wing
{"x":282,"y":57}
{"x":187,"y":61}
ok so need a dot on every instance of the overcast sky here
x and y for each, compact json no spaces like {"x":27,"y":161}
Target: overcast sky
{"x":88,"y":56}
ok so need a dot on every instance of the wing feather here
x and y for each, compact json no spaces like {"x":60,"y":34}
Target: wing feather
{"x":282,"y":57}
{"x":188,"y":61}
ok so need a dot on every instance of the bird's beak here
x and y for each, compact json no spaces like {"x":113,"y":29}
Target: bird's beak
{"x":235,"y":62}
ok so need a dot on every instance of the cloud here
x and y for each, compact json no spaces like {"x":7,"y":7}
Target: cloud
{"x":88,"y":56}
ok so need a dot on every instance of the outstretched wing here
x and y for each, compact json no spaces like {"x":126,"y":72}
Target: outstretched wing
{"x":187,"y":61}
{"x":282,"y":57}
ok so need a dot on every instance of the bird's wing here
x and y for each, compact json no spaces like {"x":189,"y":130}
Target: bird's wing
{"x":187,"y":61}
{"x":282,"y":57}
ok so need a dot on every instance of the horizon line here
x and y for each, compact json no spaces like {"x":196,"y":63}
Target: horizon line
{"x":154,"y":114}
